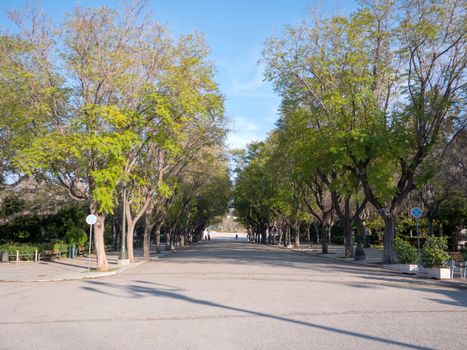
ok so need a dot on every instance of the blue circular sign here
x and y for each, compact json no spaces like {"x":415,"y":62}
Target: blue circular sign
{"x":416,"y":212}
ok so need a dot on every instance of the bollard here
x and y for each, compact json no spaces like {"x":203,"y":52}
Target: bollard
{"x":35,"y":255}
{"x":17,"y":256}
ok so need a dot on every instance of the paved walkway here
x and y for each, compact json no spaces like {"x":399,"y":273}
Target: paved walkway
{"x":235,"y":295}
{"x":65,"y":268}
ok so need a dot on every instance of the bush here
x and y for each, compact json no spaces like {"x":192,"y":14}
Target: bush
{"x":434,"y":252}
{"x":59,"y":246}
{"x":406,"y":252}
{"x":23,"y":249}
{"x":77,"y":236}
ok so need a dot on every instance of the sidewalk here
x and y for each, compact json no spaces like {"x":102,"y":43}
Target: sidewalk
{"x":68,"y":269}
{"x":374,"y":257}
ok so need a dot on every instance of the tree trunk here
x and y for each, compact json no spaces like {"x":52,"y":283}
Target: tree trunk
{"x":158,"y":237}
{"x":324,"y":239}
{"x":114,"y":234}
{"x":348,"y":235}
{"x":99,"y":243}
{"x":168,"y":240}
{"x":288,"y":244}
{"x":308,"y":232}
{"x":148,"y":226}
{"x":389,"y":233}
{"x":431,"y":230}
{"x":264,"y":235}
{"x":297,"y":235}
{"x":129,"y":240}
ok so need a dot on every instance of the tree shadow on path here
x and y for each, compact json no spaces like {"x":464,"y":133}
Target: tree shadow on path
{"x":139,"y":291}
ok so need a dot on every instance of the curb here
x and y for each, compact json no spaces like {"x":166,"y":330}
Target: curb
{"x":84,"y":277}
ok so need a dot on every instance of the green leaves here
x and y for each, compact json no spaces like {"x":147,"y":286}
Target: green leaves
{"x":406,"y":252}
{"x":434,"y":252}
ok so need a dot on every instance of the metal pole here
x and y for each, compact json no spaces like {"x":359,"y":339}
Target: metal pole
{"x":90,"y":242}
{"x":418,"y":238}
{"x":123,"y":253}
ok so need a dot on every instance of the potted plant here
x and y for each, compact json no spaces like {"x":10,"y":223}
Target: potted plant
{"x":408,"y":256}
{"x":434,"y":257}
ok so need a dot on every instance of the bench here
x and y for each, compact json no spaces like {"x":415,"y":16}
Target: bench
{"x":50,"y":254}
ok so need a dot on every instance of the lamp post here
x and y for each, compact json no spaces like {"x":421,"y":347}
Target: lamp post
{"x":123,"y":258}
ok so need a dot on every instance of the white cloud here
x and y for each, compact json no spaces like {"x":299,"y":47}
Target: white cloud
{"x":250,"y":101}
{"x":245,"y":131}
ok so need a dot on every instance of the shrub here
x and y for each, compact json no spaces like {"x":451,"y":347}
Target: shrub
{"x":60,"y":246}
{"x":23,"y":249}
{"x":55,"y":246}
{"x":406,"y":252}
{"x":434,"y":252}
{"x":77,"y":236}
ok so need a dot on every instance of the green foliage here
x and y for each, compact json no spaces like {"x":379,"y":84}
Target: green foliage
{"x":406,"y":252}
{"x":22,"y":248}
{"x":434,"y":252}
{"x":39,"y":229}
{"x":56,"y":246}
{"x":11,"y":204}
{"x":76,"y":236}
{"x":60,"y":246}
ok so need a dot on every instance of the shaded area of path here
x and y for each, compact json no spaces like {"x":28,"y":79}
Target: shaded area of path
{"x":230,"y":295}
{"x":66,"y":268}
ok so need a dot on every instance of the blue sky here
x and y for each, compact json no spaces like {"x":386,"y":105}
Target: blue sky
{"x":235,"y":31}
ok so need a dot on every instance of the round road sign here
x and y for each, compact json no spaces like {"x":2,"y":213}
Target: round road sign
{"x":416,"y":212}
{"x":91,"y":219}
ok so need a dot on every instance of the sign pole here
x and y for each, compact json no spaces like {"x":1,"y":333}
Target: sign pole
{"x":417,"y":213}
{"x":90,"y":220}
{"x":418,"y":237}
{"x":90,"y":243}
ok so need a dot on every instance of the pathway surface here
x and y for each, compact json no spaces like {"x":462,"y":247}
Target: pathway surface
{"x":226,"y":294}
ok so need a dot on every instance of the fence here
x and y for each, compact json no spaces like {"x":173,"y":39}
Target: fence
{"x":36,"y":256}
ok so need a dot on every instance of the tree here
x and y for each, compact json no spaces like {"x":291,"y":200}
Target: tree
{"x":383,"y":106}
{"x":129,"y":89}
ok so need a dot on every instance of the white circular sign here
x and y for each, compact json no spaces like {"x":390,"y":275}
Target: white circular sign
{"x":416,"y":212}
{"x":91,"y":219}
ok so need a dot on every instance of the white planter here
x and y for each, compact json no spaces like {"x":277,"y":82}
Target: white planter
{"x":408,"y":268}
{"x":443,"y":273}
